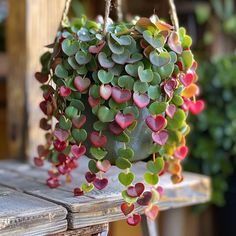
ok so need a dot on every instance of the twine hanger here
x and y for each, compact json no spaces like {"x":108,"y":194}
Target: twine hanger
{"x":173,"y":13}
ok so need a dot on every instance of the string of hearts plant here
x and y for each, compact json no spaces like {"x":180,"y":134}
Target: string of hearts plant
{"x":118,"y":93}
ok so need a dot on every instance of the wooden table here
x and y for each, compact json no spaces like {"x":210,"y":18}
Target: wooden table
{"x":29,"y":207}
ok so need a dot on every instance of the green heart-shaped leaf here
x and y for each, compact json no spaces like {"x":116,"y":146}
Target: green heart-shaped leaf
{"x":127,"y":153}
{"x":123,"y":138}
{"x":77,"y":104}
{"x":150,"y":178}
{"x":140,"y":87}
{"x":105,"y":114}
{"x":94,"y":91}
{"x":98,"y":153}
{"x":123,"y":40}
{"x":177,"y":121}
{"x":104,"y":61}
{"x":154,"y":92}
{"x":132,"y":69}
{"x":72,"y":62}
{"x":157,"y":41}
{"x":157,"y":166}
{"x":126,"y":81}
{"x":99,"y":126}
{"x":132,"y":109}
{"x":126,"y":178}
{"x":105,"y":77}
{"x":61,"y":72}
{"x":157,"y":108}
{"x":145,"y":75}
{"x":159,"y":60}
{"x":92,"y":166}
{"x":121,"y":58}
{"x":69,"y":47}
{"x":87,"y":187}
{"x":79,"y":135}
{"x":156,"y":79}
{"x":114,"y":46}
{"x":187,"y":59}
{"x":177,"y":100}
{"x":127,"y":198}
{"x":82,"y":58}
{"x":65,"y":123}
{"x":166,"y":71}
{"x":123,"y":163}
{"x":71,"y":111}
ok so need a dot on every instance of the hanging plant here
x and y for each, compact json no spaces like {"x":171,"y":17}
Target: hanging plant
{"x":118,"y":93}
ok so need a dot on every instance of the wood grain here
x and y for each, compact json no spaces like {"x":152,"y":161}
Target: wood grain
{"x":23,"y":214}
{"x":100,"y":207}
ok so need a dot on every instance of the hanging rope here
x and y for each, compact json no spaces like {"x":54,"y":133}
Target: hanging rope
{"x":65,"y":12}
{"x":173,"y":15}
{"x":119,"y":10}
{"x":107,"y":13}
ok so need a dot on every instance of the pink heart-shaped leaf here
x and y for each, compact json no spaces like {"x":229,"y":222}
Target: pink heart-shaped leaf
{"x":170,"y":86}
{"x":93,"y":102}
{"x":196,"y":107}
{"x":141,"y":100}
{"x":63,"y":169}
{"x":115,"y":128}
{"x":95,"y":49}
{"x":152,"y":212}
{"x":59,"y":145}
{"x":186,"y":79}
{"x":42,"y":151}
{"x":144,"y":200}
{"x":100,"y":183}
{"x":38,"y":161}
{"x":103,"y":166}
{"x":160,"y":190}
{"x":105,"y":91}
{"x":78,"y":151}
{"x":90,"y":177}
{"x":170,"y":110}
{"x":181,"y":152}
{"x":78,"y":192}
{"x":160,"y":137}
{"x":53,"y":182}
{"x":98,"y":140}
{"x":64,"y":91}
{"x":60,"y":134}
{"x":135,"y":191}
{"x":119,"y":95}
{"x":156,"y":123}
{"x":124,"y":120}
{"x":81,"y":84}
{"x":134,"y":219}
{"x":127,"y":208}
{"x":78,"y":122}
{"x":62,"y":158}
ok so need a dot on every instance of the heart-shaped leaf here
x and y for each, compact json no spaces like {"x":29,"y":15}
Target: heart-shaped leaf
{"x":156,"y":166}
{"x":60,"y":134}
{"x":120,"y":95}
{"x":156,"y":41}
{"x":64,"y":91}
{"x":145,"y":75}
{"x":132,"y":69}
{"x":124,"y":120}
{"x":126,"y":81}
{"x":187,"y":57}
{"x":105,"y":91}
{"x":97,"y":139}
{"x":78,"y":151}
{"x":105,"y":114}
{"x":79,"y":135}
{"x":123,"y":138}
{"x":181,"y":152}
{"x":134,"y":219}
{"x":124,"y":40}
{"x":136,"y":190}
{"x":140,"y":87}
{"x":71,"y":112}
{"x":141,"y":100}
{"x":145,"y":199}
{"x":197,"y":107}
{"x":105,"y":77}
{"x":157,"y":108}
{"x":87,"y":187}
{"x":190,"y":91}
{"x":81,"y":84}
{"x":114,"y":46}
{"x":92,"y":166}
{"x":78,"y":192}
{"x":78,"y":121}
{"x":69,"y":47}
{"x":127,"y":198}
{"x":98,"y":153}
{"x":150,"y":178}
{"x":104,"y":165}
{"x":123,"y":163}
{"x":152,"y":212}
{"x":156,"y":123}
{"x":90,"y":177}
{"x":61,"y":72}
{"x":121,"y":58}
{"x":186,"y":79}
{"x":127,"y":153}
{"x":170,"y":110}
{"x":160,"y":137}
{"x":159,"y":60}
{"x":115,"y":128}
{"x":126,"y":178}
{"x":100,"y":183}
{"x":64,"y":123}
{"x":174,"y":43}
{"x":127,"y":208}
{"x":83,"y":58}
{"x":99,"y":126}
{"x":154,"y":92}
{"x":104,"y":61}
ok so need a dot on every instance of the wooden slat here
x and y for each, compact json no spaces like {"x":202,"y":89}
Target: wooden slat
{"x":103,"y":206}
{"x":23,"y":214}
{"x":31,"y":25}
{"x":3,"y":65}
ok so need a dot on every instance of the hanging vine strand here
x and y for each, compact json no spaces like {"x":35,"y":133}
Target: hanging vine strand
{"x":119,"y":10}
{"x":107,"y":12}
{"x":173,"y":15}
{"x":66,"y":10}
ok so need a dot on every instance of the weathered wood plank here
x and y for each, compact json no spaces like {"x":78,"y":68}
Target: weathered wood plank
{"x":91,"y":230}
{"x":20,"y":213}
{"x":102,"y":206}
{"x":31,"y":25}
